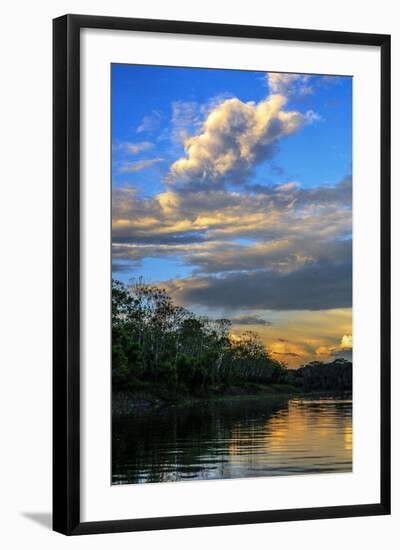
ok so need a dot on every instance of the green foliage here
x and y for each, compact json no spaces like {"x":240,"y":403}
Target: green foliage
{"x":336,"y":376}
{"x":127,"y":363}
{"x":155,"y":341}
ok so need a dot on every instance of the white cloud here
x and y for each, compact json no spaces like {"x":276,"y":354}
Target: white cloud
{"x":347,"y":341}
{"x":149,"y":123}
{"x":136,"y":148}
{"x":186,"y":117}
{"x":139,"y":165}
{"x":288,"y":83}
{"x":312,"y":116}
{"x":132,"y":148}
{"x":234,"y":137}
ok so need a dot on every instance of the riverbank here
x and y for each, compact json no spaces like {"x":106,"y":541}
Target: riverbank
{"x":128,"y":403}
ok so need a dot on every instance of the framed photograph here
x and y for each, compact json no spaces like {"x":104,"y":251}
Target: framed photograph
{"x":221,"y":274}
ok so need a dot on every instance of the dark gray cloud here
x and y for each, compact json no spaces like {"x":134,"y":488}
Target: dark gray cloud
{"x":285,"y":255}
{"x":323,"y":195}
{"x":250,"y":320}
{"x":123,"y":267}
{"x":282,"y":247}
{"x":336,"y":194}
{"x":343,"y":354}
{"x":137,"y":236}
{"x":319,"y":286}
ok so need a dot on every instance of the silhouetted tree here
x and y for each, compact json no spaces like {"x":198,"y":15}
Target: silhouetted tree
{"x":155,"y":340}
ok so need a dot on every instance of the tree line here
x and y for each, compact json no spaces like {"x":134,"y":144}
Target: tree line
{"x":155,"y":341}
{"x":336,"y":375}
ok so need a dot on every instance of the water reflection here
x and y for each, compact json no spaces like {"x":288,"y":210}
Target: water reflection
{"x":235,"y":438}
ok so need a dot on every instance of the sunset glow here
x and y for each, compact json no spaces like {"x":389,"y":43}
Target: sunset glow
{"x":232,"y":190}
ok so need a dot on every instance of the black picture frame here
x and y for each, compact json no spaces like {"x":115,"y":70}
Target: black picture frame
{"x":66,"y":273}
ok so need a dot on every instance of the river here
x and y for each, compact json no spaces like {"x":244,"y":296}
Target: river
{"x":234,"y":438}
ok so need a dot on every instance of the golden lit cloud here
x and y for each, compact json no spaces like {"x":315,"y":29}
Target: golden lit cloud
{"x":297,"y":337}
{"x":347,"y":342}
{"x":274,"y":214}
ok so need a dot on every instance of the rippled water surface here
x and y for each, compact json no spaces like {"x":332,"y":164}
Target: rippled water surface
{"x":234,"y":438}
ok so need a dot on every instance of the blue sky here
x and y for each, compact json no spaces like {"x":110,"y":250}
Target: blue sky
{"x":224,"y":178}
{"x":320,"y":152}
